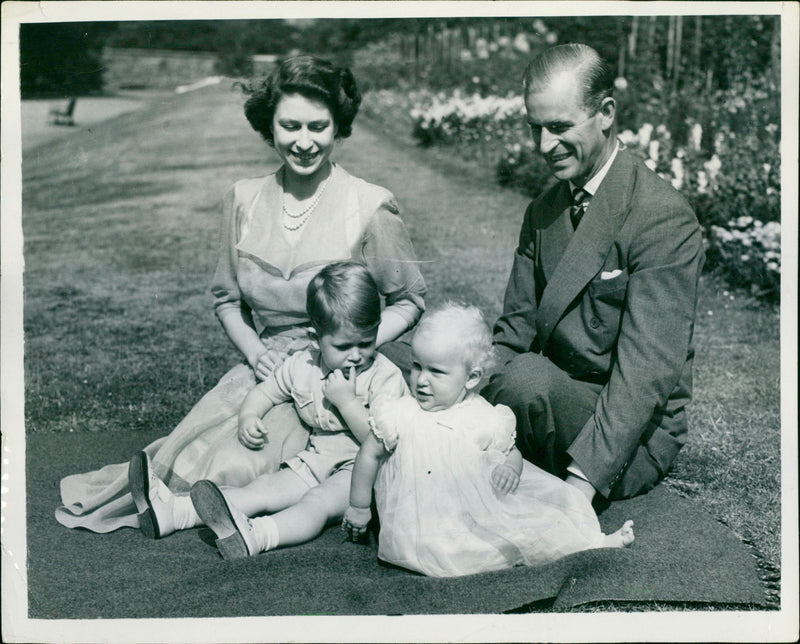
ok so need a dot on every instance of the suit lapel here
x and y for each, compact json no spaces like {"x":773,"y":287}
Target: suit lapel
{"x":588,"y":248}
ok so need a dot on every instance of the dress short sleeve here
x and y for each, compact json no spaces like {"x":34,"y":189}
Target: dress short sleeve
{"x":506,"y":433}
{"x":383,"y":420}
{"x":236,"y":206}
{"x":389,"y":255}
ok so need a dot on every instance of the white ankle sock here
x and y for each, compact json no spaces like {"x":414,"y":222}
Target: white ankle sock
{"x":183,"y":513}
{"x":265,"y":531}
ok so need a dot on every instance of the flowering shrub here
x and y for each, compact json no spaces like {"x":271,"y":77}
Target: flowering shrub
{"x":730,"y":172}
{"x":749,"y":252}
{"x":464,"y":119}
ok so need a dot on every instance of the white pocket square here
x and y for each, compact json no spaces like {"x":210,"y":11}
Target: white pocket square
{"x":610,"y":275}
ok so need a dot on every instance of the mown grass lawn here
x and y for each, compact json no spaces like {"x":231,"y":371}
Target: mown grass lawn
{"x":120,"y":228}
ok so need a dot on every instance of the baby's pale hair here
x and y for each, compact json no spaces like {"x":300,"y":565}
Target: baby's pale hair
{"x":466,"y":324}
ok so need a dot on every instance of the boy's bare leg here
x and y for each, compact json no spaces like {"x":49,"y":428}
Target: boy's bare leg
{"x":268,"y":493}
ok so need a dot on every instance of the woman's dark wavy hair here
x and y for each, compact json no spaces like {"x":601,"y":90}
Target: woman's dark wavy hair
{"x":309,"y":76}
{"x":343,"y":294}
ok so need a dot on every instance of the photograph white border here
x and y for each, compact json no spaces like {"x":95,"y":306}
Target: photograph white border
{"x":767,"y":626}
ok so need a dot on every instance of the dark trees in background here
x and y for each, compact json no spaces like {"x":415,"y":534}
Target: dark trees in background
{"x":62,"y":58}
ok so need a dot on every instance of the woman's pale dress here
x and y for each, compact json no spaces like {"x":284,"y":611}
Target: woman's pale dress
{"x":438,"y":510}
{"x":262,"y":275}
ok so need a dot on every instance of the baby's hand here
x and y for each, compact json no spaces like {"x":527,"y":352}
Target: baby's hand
{"x":338,"y":389}
{"x":251,"y":432}
{"x":355,"y":522}
{"x":505,"y":478}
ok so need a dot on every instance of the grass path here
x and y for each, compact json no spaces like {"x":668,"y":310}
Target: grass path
{"x":120,"y":227}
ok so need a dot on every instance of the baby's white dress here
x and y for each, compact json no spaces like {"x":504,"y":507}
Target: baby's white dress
{"x":438,"y":511}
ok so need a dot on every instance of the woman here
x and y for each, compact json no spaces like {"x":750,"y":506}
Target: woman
{"x":278,"y":231}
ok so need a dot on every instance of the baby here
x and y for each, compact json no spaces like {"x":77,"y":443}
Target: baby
{"x":452,"y":491}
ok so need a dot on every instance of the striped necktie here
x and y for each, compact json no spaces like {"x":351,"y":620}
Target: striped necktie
{"x":580,"y":199}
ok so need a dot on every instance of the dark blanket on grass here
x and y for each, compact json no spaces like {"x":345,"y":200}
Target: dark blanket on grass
{"x":681,"y":554}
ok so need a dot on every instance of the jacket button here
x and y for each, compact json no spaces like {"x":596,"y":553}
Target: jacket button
{"x":594,"y":323}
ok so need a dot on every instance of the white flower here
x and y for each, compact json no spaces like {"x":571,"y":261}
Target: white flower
{"x":696,"y":136}
{"x":713,"y":166}
{"x":745,"y":258}
{"x":772,"y":266}
{"x":722,"y":234}
{"x":650,"y":164}
{"x":702,"y":182}
{"x":539,"y":26}
{"x":676,"y":165}
{"x":628,"y":138}
{"x":621,"y":83}
{"x":521,"y":44}
{"x":551,"y":38}
{"x":652,"y":150}
{"x":645,"y":132}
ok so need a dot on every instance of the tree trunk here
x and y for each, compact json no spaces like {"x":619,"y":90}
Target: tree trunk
{"x":698,"y":42}
{"x":676,"y":55}
{"x":632,"y":37}
{"x":670,"y":46}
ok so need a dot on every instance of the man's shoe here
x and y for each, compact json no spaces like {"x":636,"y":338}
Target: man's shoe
{"x":153,"y":499}
{"x":234,"y":530}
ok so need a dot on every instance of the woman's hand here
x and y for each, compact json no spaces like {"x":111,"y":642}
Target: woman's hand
{"x":355,"y":522}
{"x":252,"y":433}
{"x":338,"y":389}
{"x":505,"y":478}
{"x":265,"y":363}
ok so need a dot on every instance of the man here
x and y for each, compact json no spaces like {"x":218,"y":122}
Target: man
{"x":596,"y":331}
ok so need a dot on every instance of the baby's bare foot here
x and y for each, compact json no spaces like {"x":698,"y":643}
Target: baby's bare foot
{"x":622,"y":538}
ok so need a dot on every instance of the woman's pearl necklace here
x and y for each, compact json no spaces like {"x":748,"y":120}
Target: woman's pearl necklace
{"x":305,"y":215}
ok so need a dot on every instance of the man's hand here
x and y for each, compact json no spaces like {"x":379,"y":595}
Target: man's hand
{"x":355,"y":522}
{"x":338,"y":389}
{"x":252,"y":433}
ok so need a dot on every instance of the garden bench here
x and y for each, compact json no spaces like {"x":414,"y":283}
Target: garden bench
{"x":57,"y":116}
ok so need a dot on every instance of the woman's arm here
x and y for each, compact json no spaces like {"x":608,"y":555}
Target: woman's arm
{"x":242,"y":333}
{"x":389,"y":255}
{"x":392,"y":326}
{"x":239,"y":328}
{"x":232,"y":312}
